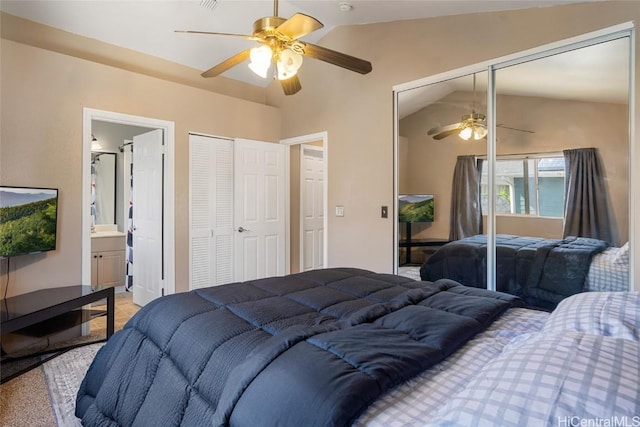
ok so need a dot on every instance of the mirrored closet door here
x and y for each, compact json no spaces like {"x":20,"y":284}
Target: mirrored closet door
{"x":528,"y":191}
{"x":441,"y":133}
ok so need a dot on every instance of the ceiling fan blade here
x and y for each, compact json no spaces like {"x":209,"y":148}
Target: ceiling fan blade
{"x":336,"y":58}
{"x":299,"y":25}
{"x":516,"y":129}
{"x":227,"y":64}
{"x":243,"y":36}
{"x":436,"y":130}
{"x":446,"y":133}
{"x":291,"y":86}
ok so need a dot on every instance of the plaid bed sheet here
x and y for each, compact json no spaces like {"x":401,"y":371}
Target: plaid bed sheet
{"x":579,"y":365}
{"x":415,"y":401}
{"x":552,"y":380}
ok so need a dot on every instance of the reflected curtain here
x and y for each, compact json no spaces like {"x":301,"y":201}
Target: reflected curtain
{"x":586,"y":209}
{"x":466,"y":213}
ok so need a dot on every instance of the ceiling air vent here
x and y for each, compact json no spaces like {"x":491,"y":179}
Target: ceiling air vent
{"x":209,"y":4}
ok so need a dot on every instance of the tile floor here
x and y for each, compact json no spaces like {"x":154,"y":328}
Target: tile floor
{"x":124,"y":308}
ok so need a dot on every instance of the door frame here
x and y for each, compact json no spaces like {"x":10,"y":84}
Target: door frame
{"x":305,"y":139}
{"x":168,"y":226}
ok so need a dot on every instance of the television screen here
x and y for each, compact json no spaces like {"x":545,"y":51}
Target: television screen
{"x":415,"y":208}
{"x":28,"y":220}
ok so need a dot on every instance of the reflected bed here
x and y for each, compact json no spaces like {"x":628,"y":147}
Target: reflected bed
{"x":541,"y":271}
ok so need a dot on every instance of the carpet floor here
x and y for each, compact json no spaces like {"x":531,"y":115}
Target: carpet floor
{"x":45,"y":396}
{"x":63,"y":376}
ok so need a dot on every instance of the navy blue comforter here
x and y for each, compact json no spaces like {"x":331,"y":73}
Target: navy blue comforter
{"x":541,"y":271}
{"x":310,"y":349}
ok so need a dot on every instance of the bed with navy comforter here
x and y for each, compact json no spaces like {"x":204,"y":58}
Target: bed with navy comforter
{"x":541,"y":271}
{"x":328,"y":347}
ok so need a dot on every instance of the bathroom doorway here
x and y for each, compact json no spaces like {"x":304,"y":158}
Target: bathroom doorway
{"x":117,"y":133}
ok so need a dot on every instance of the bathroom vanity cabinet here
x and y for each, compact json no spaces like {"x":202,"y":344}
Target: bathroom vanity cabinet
{"x":107,"y":259}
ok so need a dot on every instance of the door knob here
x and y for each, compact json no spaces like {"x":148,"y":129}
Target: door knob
{"x":242,"y":229}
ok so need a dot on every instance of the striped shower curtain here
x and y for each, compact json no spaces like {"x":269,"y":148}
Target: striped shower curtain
{"x":93,"y":195}
{"x":128,"y":281}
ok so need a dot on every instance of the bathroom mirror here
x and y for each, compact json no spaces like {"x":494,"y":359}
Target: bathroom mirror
{"x":103,"y":188}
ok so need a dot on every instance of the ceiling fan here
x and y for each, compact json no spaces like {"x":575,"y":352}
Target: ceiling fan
{"x":279,"y":44}
{"x":471,"y":126}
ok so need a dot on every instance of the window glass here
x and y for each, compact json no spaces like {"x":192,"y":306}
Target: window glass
{"x":533,"y":187}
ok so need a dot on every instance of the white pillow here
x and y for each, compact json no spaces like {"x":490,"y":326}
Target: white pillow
{"x":622,"y":257}
{"x":615,"y":314}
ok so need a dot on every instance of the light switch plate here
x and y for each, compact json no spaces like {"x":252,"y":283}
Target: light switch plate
{"x":384,"y":212}
{"x":339,"y":210}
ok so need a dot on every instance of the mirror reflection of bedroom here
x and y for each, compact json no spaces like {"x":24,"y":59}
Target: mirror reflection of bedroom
{"x":560,"y":208}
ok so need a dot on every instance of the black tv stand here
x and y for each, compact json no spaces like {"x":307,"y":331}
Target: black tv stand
{"x":409,"y":243}
{"x":48,"y":311}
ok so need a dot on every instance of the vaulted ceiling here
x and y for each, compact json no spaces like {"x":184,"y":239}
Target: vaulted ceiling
{"x":148,"y":26}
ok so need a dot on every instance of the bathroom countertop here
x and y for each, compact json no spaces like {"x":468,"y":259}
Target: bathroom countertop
{"x":99,"y":234}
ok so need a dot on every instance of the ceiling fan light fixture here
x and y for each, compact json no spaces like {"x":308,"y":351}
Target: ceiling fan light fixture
{"x":260,"y":60}
{"x":466,"y":133}
{"x":288,"y":64}
{"x":280,"y":45}
{"x":479,"y":132}
{"x":473,"y":131}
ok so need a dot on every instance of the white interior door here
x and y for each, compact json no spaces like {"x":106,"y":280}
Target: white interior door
{"x":147,"y":217}
{"x":259,"y":209}
{"x":311,"y":207}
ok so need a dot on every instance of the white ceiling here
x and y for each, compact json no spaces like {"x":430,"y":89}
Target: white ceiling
{"x":148,"y":26}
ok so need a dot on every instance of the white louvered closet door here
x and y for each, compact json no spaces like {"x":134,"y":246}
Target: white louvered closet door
{"x":211,"y":211}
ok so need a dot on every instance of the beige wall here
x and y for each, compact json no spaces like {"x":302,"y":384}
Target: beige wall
{"x":430,"y":163}
{"x":43,"y":95}
{"x":38,"y":35}
{"x":356,"y":110}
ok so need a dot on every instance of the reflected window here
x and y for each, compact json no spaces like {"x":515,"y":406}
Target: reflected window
{"x":526,"y":186}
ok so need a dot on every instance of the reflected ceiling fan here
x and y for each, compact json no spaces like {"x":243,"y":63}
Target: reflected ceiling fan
{"x":471,"y":126}
{"x":279,"y":44}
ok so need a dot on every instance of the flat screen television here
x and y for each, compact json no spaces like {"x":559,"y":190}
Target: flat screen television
{"x":28,"y":220}
{"x":416,"y":208}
